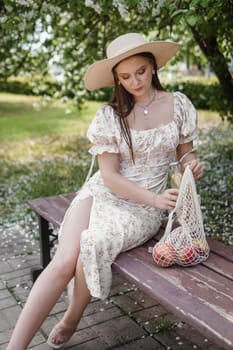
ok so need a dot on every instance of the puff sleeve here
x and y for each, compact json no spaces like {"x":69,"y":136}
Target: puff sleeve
{"x":104,"y":132}
{"x":185,"y":118}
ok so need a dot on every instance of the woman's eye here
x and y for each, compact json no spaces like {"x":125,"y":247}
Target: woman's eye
{"x":141,"y":72}
{"x":125,"y":77}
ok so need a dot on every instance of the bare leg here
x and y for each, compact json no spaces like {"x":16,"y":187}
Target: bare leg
{"x":80,"y":298}
{"x":53,"y":280}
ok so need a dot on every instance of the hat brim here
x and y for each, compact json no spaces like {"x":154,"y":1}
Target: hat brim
{"x":99,"y":74}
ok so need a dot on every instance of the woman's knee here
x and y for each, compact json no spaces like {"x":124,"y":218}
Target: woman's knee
{"x":63,"y":267}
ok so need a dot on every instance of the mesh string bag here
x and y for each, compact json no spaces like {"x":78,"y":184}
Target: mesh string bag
{"x":186,"y":244}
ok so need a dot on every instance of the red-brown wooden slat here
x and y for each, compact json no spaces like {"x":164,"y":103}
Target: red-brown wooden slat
{"x":52,"y":208}
{"x":211,"y":279}
{"x":47,"y":211}
{"x":176,"y":299}
{"x":195,"y":280}
{"x":60,"y":203}
{"x":216,"y":262}
{"x":68,"y":197}
{"x":199,"y":273}
{"x":221,"y":249}
{"x":220,"y":265}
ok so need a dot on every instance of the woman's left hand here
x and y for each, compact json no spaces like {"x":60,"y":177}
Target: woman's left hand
{"x":197,"y":168}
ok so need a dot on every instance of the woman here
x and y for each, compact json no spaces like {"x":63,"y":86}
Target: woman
{"x":135,"y":137}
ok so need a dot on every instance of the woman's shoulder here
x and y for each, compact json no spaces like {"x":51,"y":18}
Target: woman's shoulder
{"x":105,"y":109}
{"x":106,"y":112}
{"x":106,"y":116}
{"x":181,"y":97}
{"x":177,"y":96}
{"x":184,"y":111}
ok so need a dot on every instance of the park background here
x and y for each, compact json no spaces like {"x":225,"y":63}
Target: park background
{"x":45,"y":110}
{"x":44,"y":114}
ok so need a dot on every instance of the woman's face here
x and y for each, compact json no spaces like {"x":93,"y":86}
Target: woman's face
{"x":135,"y":74}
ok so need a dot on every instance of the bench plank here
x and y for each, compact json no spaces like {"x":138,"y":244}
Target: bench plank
{"x":49,"y":209}
{"x":216,"y":262}
{"x":201,"y":271}
{"x":169,"y":289}
{"x":221,"y":249}
{"x":220,"y":265}
{"x":195,"y":280}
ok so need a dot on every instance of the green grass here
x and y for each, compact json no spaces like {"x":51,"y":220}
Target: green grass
{"x":43,"y":151}
{"x":33,"y":128}
{"x":27,"y":117}
{"x":161,"y":326}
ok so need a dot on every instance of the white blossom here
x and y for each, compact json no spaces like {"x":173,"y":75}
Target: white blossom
{"x":24,"y":2}
{"x":121,"y":6}
{"x":65,"y":18}
{"x":30,"y":14}
{"x":161,"y":2}
{"x":3,"y":19}
{"x":8,"y":8}
{"x":73,"y":24}
{"x":155,"y":11}
{"x":8,"y":61}
{"x":68,"y":111}
{"x":143,"y":5}
{"x":94,"y":5}
{"x":50,"y":8}
{"x":13,"y":50}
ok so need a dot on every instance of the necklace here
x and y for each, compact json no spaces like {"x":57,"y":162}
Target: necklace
{"x":145,"y":107}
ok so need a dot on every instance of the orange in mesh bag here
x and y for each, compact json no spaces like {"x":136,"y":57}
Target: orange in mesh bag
{"x":186,"y":244}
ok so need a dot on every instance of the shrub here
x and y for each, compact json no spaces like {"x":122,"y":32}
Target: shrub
{"x":25,"y":87}
{"x":205,"y":93}
{"x":16,"y":87}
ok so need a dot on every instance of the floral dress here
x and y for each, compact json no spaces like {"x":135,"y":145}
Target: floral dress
{"x":116,"y":223}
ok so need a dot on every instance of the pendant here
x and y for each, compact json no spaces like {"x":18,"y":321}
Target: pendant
{"x":145,"y":112}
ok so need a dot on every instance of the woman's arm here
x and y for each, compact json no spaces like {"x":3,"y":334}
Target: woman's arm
{"x":109,"y":165}
{"x":195,"y":165}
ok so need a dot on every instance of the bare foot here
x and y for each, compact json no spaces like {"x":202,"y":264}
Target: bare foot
{"x":60,"y":335}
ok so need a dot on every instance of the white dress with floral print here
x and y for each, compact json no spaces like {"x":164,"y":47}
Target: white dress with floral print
{"x":117,"y":224}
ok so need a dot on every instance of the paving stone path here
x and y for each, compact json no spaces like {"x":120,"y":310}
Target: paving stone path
{"x":127,"y":320}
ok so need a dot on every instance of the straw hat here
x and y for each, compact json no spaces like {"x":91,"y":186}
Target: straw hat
{"x":99,"y":74}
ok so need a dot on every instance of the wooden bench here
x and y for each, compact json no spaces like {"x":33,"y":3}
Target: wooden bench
{"x":201,"y":296}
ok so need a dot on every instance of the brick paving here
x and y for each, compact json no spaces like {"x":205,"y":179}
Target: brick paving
{"x":127,"y":320}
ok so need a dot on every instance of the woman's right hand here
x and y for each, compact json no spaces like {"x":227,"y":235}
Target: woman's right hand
{"x":167,"y":199}
{"x":109,"y":165}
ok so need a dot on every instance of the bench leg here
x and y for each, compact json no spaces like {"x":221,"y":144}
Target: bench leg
{"x":44,"y":232}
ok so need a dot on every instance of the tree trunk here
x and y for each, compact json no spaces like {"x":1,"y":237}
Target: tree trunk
{"x":209,"y":46}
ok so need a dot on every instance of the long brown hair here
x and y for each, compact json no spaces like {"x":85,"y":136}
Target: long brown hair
{"x":123,"y":102}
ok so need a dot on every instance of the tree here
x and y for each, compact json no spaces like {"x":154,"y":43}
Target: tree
{"x":74,"y":33}
{"x":210,"y":23}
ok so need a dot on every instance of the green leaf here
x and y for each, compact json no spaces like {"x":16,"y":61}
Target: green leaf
{"x":204,"y":3}
{"x":178,"y":12}
{"x":171,"y":6}
{"x":191,"y":20}
{"x":212,"y":12}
